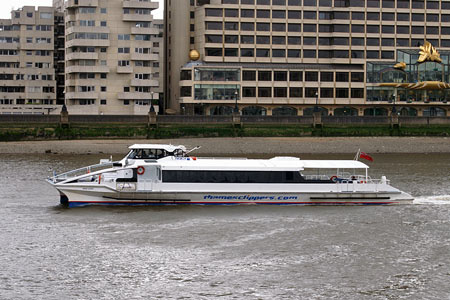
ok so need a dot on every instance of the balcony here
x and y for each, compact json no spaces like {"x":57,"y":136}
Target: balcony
{"x":87,"y":69}
{"x":89,"y":29}
{"x":87,"y":43}
{"x":134,"y":96}
{"x":80,"y":95}
{"x":9,"y":46}
{"x":140,"y":4}
{"x":82,"y":3}
{"x":82,"y":55}
{"x":146,"y":82}
{"x":124,"y":70}
{"x":137,"y":18}
{"x":144,"y":30}
{"x":145,"y":56}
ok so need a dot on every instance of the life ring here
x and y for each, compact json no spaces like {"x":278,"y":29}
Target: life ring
{"x":333,"y":178}
{"x":140,"y":170}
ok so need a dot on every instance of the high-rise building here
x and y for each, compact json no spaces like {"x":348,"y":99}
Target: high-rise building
{"x":27,"y":55}
{"x":112,"y":56}
{"x":294,"y":57}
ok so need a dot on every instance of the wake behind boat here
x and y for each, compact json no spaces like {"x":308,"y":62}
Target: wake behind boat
{"x":152,"y":174}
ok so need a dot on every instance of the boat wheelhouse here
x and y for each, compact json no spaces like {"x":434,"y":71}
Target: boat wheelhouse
{"x":165,"y":174}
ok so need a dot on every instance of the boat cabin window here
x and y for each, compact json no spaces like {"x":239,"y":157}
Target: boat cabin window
{"x":232,"y":176}
{"x":148,"y":154}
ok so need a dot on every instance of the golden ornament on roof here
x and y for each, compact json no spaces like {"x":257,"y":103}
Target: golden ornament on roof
{"x":428,"y":53}
{"x":400,"y":66}
{"x":194,"y":55}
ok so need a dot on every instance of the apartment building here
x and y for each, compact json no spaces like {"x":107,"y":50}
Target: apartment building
{"x":112,"y":56}
{"x":293,"y":57}
{"x":27,"y":74}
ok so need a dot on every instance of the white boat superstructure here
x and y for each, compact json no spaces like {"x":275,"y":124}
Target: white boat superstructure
{"x":152,"y":174}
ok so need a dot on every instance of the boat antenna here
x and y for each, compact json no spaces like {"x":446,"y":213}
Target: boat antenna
{"x":357,"y":154}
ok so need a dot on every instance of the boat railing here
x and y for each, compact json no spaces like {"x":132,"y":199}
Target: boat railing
{"x":81,"y":171}
{"x":316,"y":177}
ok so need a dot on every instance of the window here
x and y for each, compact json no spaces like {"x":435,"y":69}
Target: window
{"x":311,"y":76}
{"x":245,"y":26}
{"x":341,"y":77}
{"x":249,"y":92}
{"x":388,"y":16}
{"x":310,"y":92}
{"x":310,"y":15}
{"x":341,"y":92}
{"x":264,"y":75}
{"x":293,"y":53}
{"x":230,"y":26}
{"x":280,"y":92}
{"x":357,"y":93}
{"x":326,"y":76}
{"x":309,"y":53}
{"x":309,"y":41}
{"x":210,"y":38}
{"x":309,"y":28}
{"x":262,"y":52}
{"x":185,"y":91}
{"x":296,"y":92}
{"x":123,"y":50}
{"x":280,"y":75}
{"x":278,"y":53}
{"x":102,"y":10}
{"x":103,"y":102}
{"x":231,"y":39}
{"x":247,"y":13}
{"x":231,"y":13}
{"x":278,"y":27}
{"x":103,"y":89}
{"x":262,"y":39}
{"x":294,"y":28}
{"x":263,"y":13}
{"x":294,"y":40}
{"x":357,"y":15}
{"x":279,"y":40}
{"x":247,"y":52}
{"x":249,"y":75}
{"x":123,"y":37}
{"x":213,"y":51}
{"x":214,"y":25}
{"x":262,"y":26}
{"x":264,"y":92}
{"x":295,"y":76}
{"x":402,"y":17}
{"x":326,"y":93}
{"x":247,"y":39}
{"x":213,"y":12}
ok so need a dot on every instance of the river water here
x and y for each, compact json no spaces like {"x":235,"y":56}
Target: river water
{"x":230,"y":252}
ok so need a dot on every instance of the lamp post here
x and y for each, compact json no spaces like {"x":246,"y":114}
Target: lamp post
{"x":316,"y":107}
{"x":152,"y":109}
{"x":236,"y":109}
{"x":393,"y":104}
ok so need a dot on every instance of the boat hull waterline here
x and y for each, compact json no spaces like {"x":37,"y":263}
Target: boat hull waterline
{"x":85,"y":199}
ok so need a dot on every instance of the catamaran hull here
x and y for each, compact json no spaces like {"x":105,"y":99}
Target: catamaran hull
{"x":83,"y":198}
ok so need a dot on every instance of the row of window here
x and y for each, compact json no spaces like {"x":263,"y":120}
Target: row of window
{"x":222,"y":92}
{"x":354,"y":28}
{"x":417,"y":4}
{"x":297,"y":53}
{"x":28,"y":101}
{"x":323,"y":41}
{"x":29,"y":14}
{"x":232,"y":176}
{"x":324,"y":15}
{"x":202,"y":74}
{"x":25,"y":77}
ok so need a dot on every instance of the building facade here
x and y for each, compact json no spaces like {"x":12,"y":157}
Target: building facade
{"x":27,"y":73}
{"x":112,"y":56}
{"x":291,"y":57}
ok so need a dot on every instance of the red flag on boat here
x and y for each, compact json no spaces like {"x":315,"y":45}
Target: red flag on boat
{"x":365,"y":156}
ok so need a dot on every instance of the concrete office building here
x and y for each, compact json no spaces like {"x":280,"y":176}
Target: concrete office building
{"x":27,"y":74}
{"x":112,"y":56}
{"x":290,"y":57}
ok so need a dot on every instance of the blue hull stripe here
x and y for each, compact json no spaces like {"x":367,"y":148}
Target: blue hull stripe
{"x":85,"y":203}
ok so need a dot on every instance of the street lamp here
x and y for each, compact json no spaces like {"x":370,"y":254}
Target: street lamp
{"x":393,"y":105}
{"x":236,"y":109}
{"x":316,"y":107}
{"x":152,"y":109}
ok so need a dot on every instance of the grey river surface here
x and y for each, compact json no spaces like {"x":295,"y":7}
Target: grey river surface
{"x":226,"y":252}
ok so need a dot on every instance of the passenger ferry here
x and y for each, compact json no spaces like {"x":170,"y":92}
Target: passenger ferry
{"x":152,"y":174}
